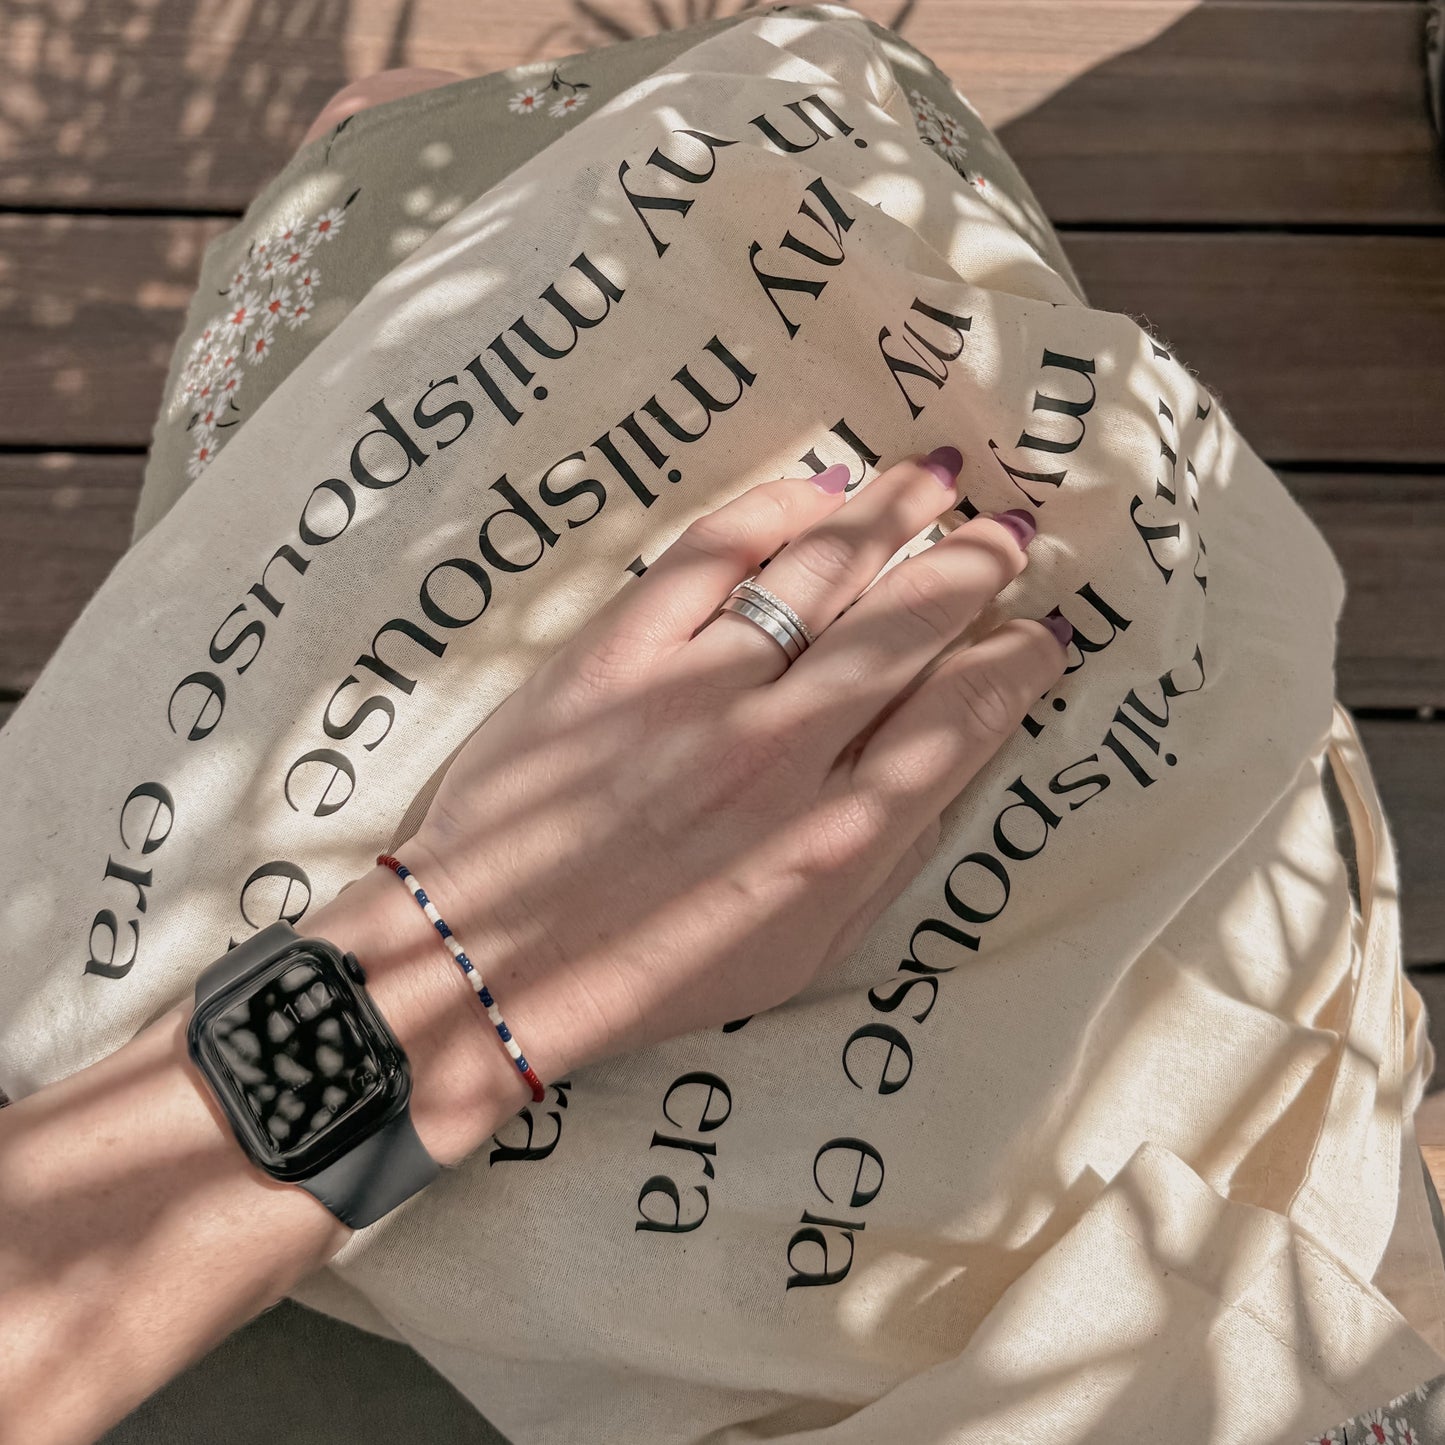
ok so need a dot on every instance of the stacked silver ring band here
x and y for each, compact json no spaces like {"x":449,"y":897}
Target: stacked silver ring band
{"x":760,"y":607}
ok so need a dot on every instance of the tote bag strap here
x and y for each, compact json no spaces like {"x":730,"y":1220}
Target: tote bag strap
{"x":1350,"y":1191}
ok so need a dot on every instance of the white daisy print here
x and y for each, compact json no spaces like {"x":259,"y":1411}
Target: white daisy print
{"x":201,"y":458}
{"x":955,"y":155}
{"x":569,"y":103}
{"x":528,"y":102}
{"x":292,"y":255}
{"x":241,"y":316}
{"x":300,"y":312}
{"x":239,"y":279}
{"x":258,"y":345}
{"x":209,"y":416}
{"x":1377,"y":1429}
{"x":927,"y":118}
{"x":1405,"y":1433}
{"x":1329,"y":1437}
{"x":329,"y":223}
{"x":308,"y":280}
{"x":229,"y":385}
{"x":279,"y":303}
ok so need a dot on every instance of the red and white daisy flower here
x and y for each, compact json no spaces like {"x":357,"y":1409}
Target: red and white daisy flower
{"x":329,"y":223}
{"x":1405,"y":1433}
{"x":308,"y":280}
{"x":1378,"y":1428}
{"x":528,"y":102}
{"x":300,"y":312}
{"x":243,"y":314}
{"x":569,"y":103}
{"x":1330,"y":1437}
{"x":267,"y":265}
{"x":955,"y":155}
{"x":279,"y":302}
{"x":202,"y":457}
{"x":229,"y":385}
{"x":207,"y":418}
{"x":259,"y":343}
{"x":238,"y":280}
{"x":294,"y":253}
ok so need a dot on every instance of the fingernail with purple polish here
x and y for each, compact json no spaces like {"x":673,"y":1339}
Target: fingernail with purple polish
{"x":1020,"y":523}
{"x":945,"y":463}
{"x":832,"y":480}
{"x":1060,"y":626}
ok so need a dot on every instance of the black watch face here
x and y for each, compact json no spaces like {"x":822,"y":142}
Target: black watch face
{"x":301,"y":1060}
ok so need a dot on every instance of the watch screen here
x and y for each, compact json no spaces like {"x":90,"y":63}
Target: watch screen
{"x":298,"y":1058}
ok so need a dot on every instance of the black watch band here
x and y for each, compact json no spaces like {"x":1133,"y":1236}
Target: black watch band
{"x":379,"y":1171}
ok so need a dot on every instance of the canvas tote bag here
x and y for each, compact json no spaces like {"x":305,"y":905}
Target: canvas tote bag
{"x":1103,"y":1132}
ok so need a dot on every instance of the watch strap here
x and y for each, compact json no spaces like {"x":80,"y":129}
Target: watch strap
{"x":376,"y":1175}
{"x":246,"y":954}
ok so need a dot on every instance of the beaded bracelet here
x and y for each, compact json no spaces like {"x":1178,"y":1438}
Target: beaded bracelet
{"x":469,"y":972}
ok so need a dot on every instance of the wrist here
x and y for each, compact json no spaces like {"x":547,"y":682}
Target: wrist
{"x":464,"y":1086}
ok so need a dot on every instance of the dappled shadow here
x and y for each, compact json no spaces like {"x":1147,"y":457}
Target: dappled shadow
{"x":937,"y":1299}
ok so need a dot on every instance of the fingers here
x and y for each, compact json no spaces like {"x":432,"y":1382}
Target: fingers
{"x":687,"y":583}
{"x":924,"y":753}
{"x":826,"y":568}
{"x":860,"y":665}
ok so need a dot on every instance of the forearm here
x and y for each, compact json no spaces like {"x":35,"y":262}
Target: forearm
{"x":136,"y":1234}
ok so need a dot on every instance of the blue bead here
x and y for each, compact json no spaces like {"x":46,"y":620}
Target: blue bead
{"x":421,"y":897}
{"x":443,"y":929}
{"x":505,"y":1032}
{"x":522,"y":1064}
{"x":462,"y":959}
{"x":486,"y":998}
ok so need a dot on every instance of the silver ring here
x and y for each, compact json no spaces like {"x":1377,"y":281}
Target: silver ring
{"x":787,"y":615}
{"x":746,"y":608}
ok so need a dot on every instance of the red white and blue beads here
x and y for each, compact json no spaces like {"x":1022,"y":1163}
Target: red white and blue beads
{"x":468,"y":971}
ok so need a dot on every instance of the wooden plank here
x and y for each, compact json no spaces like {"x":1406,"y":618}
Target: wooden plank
{"x":1389,"y":535}
{"x":90,"y":309}
{"x":1270,"y":113}
{"x":1323,"y":348}
{"x":1408,"y":761}
{"x":67,"y":522}
{"x":1292,"y":111}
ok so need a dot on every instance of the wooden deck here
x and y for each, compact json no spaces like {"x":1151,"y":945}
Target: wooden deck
{"x":1276,"y":154}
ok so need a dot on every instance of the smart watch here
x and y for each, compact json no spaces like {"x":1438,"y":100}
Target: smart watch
{"x":312,"y":1081}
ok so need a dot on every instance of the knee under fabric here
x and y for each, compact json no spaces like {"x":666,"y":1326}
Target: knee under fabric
{"x":1107,"y":1119}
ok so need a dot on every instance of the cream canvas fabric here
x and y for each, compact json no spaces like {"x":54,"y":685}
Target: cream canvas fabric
{"x":1103,"y":1133}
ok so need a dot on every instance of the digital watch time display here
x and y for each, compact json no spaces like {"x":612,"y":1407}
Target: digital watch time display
{"x":314,"y":1084}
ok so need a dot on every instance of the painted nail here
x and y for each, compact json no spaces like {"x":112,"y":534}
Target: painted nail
{"x":832,"y":480}
{"x":1060,"y":626}
{"x":945,"y":463}
{"x":1020,"y":523}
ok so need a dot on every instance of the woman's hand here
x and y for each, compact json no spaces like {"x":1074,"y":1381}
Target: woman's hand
{"x":658,"y":833}
{"x":668,"y":827}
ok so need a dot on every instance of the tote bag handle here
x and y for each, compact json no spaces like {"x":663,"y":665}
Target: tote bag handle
{"x":1350,"y":1190}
